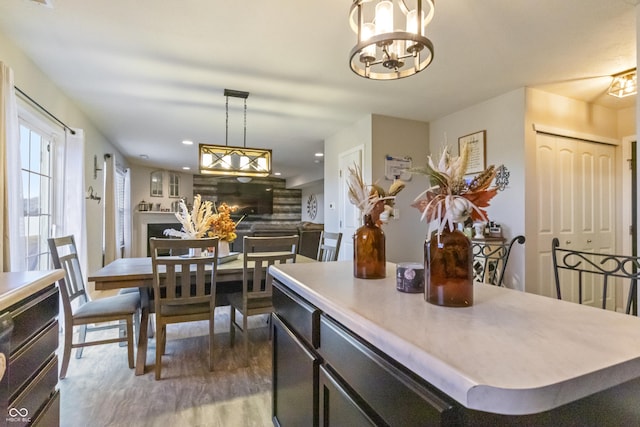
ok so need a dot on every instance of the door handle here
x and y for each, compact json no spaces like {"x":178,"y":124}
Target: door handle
{"x":568,"y":242}
{"x":588,"y":240}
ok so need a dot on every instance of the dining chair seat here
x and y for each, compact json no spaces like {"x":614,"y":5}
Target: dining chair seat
{"x":115,"y":306}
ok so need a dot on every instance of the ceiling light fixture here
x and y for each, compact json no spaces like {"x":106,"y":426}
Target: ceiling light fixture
{"x":234,"y":161}
{"x":385,"y":53}
{"x":624,"y":84}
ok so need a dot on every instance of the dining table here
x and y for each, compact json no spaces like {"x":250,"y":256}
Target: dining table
{"x":138,"y":273}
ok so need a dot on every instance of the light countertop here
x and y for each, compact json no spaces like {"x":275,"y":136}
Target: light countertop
{"x":511,"y":352}
{"x":19,"y":285}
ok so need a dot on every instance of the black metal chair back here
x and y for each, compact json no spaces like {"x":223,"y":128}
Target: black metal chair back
{"x":608,"y":266}
{"x":490,"y":259}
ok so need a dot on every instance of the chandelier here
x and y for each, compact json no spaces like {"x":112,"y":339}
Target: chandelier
{"x":382,"y":51}
{"x":624,"y":84}
{"x":234,"y":161}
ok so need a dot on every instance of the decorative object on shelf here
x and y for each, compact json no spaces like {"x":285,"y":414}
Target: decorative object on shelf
{"x":624,"y":84}
{"x":234,"y":161}
{"x":451,"y":200}
{"x":382,"y":52}
{"x":376,"y":206}
{"x":221,"y":225}
{"x":476,"y":145}
{"x":195,"y":224}
{"x":312,"y":206}
{"x":144,"y":206}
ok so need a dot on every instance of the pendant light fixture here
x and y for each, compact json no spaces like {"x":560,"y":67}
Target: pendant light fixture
{"x":382,"y":51}
{"x":226,"y":160}
{"x":624,"y":84}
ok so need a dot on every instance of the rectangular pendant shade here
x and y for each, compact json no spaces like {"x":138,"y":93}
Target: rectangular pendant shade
{"x":234,"y":161}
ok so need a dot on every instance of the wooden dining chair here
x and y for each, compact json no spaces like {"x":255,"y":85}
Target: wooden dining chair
{"x":184,"y":287}
{"x":256,"y":298}
{"x":329,"y":246}
{"x":82,"y":312}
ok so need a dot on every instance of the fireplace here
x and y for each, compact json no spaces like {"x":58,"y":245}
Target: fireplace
{"x":157,"y":230}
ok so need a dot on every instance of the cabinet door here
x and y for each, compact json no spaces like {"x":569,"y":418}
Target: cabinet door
{"x":338,"y":407}
{"x":295,"y":379}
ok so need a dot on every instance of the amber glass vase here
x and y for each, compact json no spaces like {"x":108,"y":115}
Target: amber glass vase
{"x":369,"y":260}
{"x":448,"y":266}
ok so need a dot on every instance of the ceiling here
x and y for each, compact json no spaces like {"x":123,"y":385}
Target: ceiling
{"x":152,"y":73}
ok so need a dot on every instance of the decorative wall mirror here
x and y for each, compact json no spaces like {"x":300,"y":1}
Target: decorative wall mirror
{"x":156,"y":184}
{"x":174,"y":184}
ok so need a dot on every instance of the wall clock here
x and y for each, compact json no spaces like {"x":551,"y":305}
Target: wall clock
{"x":312,"y":206}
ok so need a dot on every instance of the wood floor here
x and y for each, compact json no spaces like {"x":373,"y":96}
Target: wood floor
{"x":101,"y":390}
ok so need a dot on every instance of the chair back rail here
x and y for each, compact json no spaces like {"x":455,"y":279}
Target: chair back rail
{"x":490,"y":259}
{"x":592,"y":263}
{"x":259,"y":254}
{"x":328,"y":251}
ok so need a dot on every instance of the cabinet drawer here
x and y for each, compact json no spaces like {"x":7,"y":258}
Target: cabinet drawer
{"x":33,"y":315}
{"x":397,"y":397}
{"x":50,"y":414}
{"x":302,"y":317}
{"x":295,"y":379}
{"x":338,"y":407}
{"x":28,"y":360}
{"x":37,"y":394}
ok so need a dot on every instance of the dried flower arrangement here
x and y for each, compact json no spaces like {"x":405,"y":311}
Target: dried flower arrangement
{"x":450,"y":198}
{"x":195,"y":224}
{"x":372,"y":199}
{"x":221,"y":225}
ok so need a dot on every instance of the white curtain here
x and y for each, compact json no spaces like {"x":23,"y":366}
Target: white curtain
{"x":127,"y":213}
{"x":11,"y":217}
{"x":70,"y":185}
{"x":110,"y":211}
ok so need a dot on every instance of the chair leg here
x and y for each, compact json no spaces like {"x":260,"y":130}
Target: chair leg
{"x":270,"y":322}
{"x":163,"y":332}
{"x":160,"y":338}
{"x":211,"y":329}
{"x":130,"y":341}
{"x":136,"y":323}
{"x":66,"y":351}
{"x":245,"y":337}
{"x":232,"y":324}
{"x":82,"y":335}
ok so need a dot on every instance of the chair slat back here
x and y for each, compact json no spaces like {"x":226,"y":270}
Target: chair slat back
{"x":329,"y":246}
{"x":490,"y":260}
{"x":585,"y":267}
{"x":64,"y":255}
{"x":259,"y":254}
{"x":183,"y":279}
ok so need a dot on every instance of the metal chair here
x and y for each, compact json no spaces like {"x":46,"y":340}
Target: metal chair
{"x":256,"y":297}
{"x":587,"y":265}
{"x":328,"y":251}
{"x":490,"y":260}
{"x":184,"y":288}
{"x":80,"y":311}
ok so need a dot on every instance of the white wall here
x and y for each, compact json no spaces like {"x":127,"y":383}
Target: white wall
{"x":38,"y":86}
{"x":503,"y":119}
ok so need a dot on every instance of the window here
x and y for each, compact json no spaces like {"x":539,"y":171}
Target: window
{"x":156,"y":184}
{"x":37,"y":185}
{"x":174,"y":185}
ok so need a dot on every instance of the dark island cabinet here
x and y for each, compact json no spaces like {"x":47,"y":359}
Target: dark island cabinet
{"x":325,"y":375}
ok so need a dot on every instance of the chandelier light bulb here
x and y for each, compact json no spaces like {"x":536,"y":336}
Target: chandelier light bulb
{"x":368,"y":53}
{"x":384,"y":17}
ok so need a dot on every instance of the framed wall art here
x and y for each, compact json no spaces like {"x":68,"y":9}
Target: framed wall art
{"x":477,"y":156}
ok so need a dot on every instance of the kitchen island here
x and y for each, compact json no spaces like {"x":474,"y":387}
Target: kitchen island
{"x":512,"y":357}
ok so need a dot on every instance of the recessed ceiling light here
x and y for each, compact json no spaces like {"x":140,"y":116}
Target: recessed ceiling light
{"x":187,"y":142}
{"x":277,"y":174}
{"x":319,"y":154}
{"x":144,"y":156}
{"x":186,"y":168}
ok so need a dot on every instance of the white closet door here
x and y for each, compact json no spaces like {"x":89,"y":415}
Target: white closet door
{"x":576,"y":197}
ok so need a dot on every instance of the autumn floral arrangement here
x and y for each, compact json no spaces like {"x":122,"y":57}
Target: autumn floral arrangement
{"x":195,"y":224}
{"x":221,"y":225}
{"x":372,"y":199}
{"x":450,"y":198}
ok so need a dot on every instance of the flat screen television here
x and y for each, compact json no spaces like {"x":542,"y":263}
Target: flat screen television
{"x":249,"y":198}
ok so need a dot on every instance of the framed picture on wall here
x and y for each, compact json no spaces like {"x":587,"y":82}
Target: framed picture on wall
{"x":477,"y":155}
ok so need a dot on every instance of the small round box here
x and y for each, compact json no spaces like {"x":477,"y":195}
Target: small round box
{"x":410,"y":277}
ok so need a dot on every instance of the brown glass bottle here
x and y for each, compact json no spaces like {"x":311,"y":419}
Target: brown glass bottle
{"x":369,"y":260}
{"x":448,"y":265}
